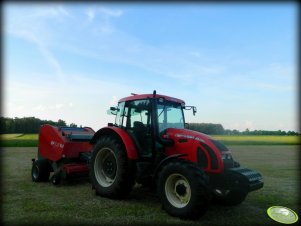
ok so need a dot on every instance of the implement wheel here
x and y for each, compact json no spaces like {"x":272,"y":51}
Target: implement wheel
{"x":109,"y":169}
{"x":56,"y":179}
{"x":183,"y":190}
{"x":40,"y":171}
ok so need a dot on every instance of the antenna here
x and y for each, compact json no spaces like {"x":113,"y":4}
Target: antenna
{"x":154,"y":94}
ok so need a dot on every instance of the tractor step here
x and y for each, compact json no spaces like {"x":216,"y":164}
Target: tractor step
{"x":144,"y":169}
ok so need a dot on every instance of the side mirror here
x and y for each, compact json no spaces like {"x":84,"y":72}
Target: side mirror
{"x":189,"y":108}
{"x":193,"y":110}
{"x":112,"y":111}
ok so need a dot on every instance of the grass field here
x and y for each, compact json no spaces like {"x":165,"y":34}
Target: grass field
{"x":31,"y":140}
{"x":258,"y":140}
{"x":19,"y":140}
{"x":74,"y":202}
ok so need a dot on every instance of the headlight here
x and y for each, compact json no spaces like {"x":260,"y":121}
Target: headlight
{"x":226,"y":156}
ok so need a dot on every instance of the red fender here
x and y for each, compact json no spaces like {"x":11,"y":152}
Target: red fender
{"x":129,"y":145}
{"x":187,"y":142}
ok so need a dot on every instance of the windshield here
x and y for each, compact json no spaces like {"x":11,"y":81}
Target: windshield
{"x":170,"y":115}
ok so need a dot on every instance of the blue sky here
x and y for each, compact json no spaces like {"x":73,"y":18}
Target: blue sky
{"x":237,"y":63}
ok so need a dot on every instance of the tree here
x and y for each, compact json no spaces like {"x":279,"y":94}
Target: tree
{"x":61,"y":123}
{"x":208,"y":128}
{"x":73,"y":125}
{"x":26,"y":124}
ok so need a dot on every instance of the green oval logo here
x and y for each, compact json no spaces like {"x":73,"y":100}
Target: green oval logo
{"x":282,"y":214}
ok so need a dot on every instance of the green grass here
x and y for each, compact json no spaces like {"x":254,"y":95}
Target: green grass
{"x":75,"y":203}
{"x":258,"y":140}
{"x":31,"y":140}
{"x":19,"y":140}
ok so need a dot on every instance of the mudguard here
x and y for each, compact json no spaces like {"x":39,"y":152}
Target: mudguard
{"x":127,"y":141}
{"x":197,"y":147}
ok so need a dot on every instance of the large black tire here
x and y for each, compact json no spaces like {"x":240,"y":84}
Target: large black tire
{"x":183,"y":190}
{"x":230,"y":198}
{"x":110,"y":171}
{"x":40,"y":171}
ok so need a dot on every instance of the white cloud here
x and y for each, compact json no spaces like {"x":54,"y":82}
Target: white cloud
{"x":15,"y":107}
{"x":248,"y":124}
{"x":110,"y":12}
{"x":39,"y":108}
{"x":274,"y":87}
{"x":58,"y":106}
{"x":113,"y":44}
{"x":195,"y":54}
{"x":91,"y":14}
{"x":28,"y":27}
{"x":114,"y":101}
{"x":56,"y":27}
{"x":51,"y":11}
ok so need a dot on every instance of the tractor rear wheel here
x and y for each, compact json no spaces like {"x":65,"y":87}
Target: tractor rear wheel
{"x":183,"y":190}
{"x":40,"y":171}
{"x":110,"y":171}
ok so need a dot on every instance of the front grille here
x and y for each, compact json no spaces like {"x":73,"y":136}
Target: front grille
{"x":202,"y":159}
{"x":214,"y":163}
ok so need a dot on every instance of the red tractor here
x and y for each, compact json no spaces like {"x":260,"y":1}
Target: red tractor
{"x":148,"y":144}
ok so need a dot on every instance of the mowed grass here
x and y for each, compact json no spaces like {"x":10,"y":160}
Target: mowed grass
{"x":258,"y":140}
{"x":75,"y":203}
{"x":19,"y":140}
{"x":31,"y":140}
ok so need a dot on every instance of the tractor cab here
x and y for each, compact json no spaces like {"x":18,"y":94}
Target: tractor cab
{"x":146,"y":118}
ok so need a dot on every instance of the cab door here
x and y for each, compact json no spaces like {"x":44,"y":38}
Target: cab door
{"x":137,"y":122}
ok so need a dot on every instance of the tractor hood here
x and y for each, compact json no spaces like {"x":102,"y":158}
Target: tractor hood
{"x":188,"y":135}
{"x":200,"y":148}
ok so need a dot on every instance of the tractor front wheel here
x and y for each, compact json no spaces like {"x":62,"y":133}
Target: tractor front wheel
{"x":183,"y":190}
{"x":110,"y":171}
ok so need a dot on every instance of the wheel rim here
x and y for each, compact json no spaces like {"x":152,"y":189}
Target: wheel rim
{"x":177,"y":190}
{"x":105,"y":167}
{"x":35,"y":172}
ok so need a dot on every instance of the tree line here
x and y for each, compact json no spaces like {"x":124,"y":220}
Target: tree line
{"x":218,"y":129}
{"x":27,"y":124}
{"x":32,"y":125}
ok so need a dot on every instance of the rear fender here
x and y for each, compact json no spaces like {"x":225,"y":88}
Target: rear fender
{"x":120,"y":134}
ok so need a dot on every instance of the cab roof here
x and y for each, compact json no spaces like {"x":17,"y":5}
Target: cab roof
{"x":145,"y":96}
